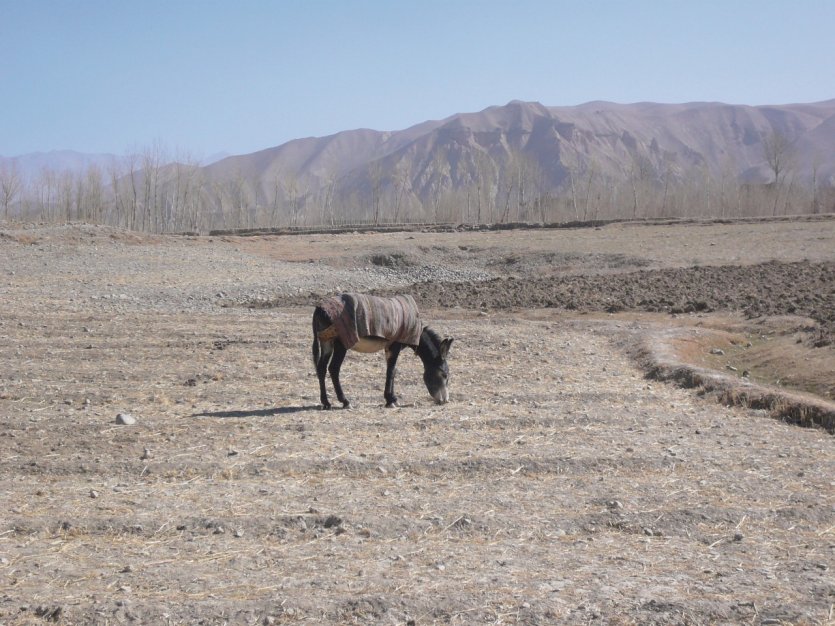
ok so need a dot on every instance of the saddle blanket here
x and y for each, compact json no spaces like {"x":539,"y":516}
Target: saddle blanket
{"x":356,"y":315}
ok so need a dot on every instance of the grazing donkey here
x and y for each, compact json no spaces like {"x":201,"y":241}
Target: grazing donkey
{"x":365,"y":323}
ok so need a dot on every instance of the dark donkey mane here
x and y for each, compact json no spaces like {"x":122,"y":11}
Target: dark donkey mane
{"x":432,"y":341}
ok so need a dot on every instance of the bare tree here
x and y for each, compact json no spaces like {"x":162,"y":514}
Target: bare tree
{"x":591,"y":171}
{"x":438,"y":178}
{"x":182,"y":191}
{"x":239,"y":200}
{"x":484,"y":180}
{"x":46,"y":185}
{"x":815,"y":199}
{"x":66,"y":185}
{"x":119,"y":201}
{"x":375,"y":177}
{"x":152,"y":163}
{"x":295,"y":193}
{"x":400,"y":180}
{"x":275,"y":203}
{"x":508,"y":181}
{"x":779,"y":153}
{"x":92,"y":195}
{"x":669,"y":165}
{"x":571,"y":163}
{"x":640,"y":171}
{"x":131,"y":191}
{"x":10,"y":186}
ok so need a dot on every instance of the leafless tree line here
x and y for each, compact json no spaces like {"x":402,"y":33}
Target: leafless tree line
{"x":150,"y":192}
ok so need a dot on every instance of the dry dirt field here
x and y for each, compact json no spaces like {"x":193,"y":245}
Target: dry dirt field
{"x":560,"y":485}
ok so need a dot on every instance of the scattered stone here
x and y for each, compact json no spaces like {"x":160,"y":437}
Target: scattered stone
{"x":146,"y":454}
{"x":331,"y":521}
{"x":717,"y":351}
{"x":94,"y":494}
{"x":49,"y":613}
{"x":125,"y":419}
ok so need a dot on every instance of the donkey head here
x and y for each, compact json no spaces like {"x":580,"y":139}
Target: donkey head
{"x":433,"y":352}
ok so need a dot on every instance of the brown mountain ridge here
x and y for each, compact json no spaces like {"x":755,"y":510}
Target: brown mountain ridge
{"x":477,"y":152}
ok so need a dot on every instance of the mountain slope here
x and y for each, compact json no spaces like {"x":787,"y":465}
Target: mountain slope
{"x":519,"y":162}
{"x":553,"y":144}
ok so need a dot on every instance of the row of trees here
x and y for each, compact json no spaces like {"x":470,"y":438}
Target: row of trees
{"x":147,"y":192}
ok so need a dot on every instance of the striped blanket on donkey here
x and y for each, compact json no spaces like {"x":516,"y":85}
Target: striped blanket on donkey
{"x":356,"y":315}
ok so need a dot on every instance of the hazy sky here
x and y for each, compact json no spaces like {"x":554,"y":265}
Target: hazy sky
{"x":202,"y":76}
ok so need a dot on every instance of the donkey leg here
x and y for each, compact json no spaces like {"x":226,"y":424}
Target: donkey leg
{"x":392,"y":352}
{"x":322,"y":357}
{"x":339,"y":352}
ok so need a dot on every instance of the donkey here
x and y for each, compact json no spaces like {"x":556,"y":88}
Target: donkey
{"x":367,"y":324}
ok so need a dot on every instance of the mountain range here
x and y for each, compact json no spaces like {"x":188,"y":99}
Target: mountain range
{"x":696,"y":133}
{"x":552,"y":147}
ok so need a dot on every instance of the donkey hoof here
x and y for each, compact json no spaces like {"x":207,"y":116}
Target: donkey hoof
{"x":325,"y":407}
{"x":392,"y":405}
{"x":346,"y":404}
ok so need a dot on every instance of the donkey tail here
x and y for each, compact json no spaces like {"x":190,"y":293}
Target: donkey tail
{"x":317,"y":345}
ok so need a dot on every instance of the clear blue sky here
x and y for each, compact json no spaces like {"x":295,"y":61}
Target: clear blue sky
{"x":203,"y":76}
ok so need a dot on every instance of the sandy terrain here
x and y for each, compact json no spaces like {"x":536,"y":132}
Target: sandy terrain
{"x":560,"y":485}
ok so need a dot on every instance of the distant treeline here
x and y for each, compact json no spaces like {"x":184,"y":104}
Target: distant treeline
{"x":147,"y":195}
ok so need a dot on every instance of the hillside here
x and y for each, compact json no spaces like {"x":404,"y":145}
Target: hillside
{"x":519,"y":162}
{"x":550,"y":146}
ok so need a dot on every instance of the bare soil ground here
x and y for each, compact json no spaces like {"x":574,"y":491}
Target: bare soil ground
{"x":560,"y":485}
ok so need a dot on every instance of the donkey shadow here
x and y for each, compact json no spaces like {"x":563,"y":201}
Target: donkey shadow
{"x":285,"y":410}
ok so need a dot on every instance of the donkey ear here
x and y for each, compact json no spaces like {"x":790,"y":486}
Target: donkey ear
{"x":446,"y":344}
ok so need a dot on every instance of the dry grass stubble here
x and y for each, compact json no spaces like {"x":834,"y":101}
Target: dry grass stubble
{"x":558,"y":485}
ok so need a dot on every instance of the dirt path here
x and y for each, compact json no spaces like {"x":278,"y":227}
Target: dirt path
{"x":559,"y":485}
